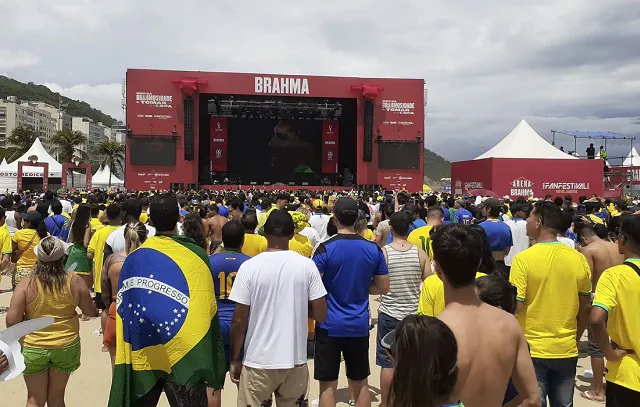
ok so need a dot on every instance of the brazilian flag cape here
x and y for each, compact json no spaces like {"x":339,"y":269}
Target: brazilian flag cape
{"x":167,"y":320}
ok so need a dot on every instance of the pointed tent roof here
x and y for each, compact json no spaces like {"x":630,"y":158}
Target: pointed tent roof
{"x":524,"y":142}
{"x":633,"y":159}
{"x":38,"y":150}
{"x":101,"y":178}
{"x":3,"y":163}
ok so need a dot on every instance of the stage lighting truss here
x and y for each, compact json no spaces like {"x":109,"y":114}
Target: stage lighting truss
{"x":271,"y":109}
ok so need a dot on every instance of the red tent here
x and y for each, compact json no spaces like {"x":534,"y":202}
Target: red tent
{"x":525,"y":164}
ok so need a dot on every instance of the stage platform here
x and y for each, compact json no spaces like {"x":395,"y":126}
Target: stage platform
{"x":276,"y":188}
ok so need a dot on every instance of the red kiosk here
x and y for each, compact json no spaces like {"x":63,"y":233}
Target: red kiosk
{"x":33,"y":162}
{"x":76,"y":164}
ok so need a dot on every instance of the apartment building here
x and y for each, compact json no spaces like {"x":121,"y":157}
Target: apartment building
{"x":63,"y":119}
{"x":95,"y":132}
{"x":28,"y":115}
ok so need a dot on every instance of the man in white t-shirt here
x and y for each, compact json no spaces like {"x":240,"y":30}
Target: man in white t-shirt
{"x":319,"y":220}
{"x":131,"y":210}
{"x":275,"y":293}
{"x":518,"y":226}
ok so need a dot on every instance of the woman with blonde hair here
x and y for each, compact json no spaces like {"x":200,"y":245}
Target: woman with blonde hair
{"x":53,"y":353}
{"x":135,"y":233}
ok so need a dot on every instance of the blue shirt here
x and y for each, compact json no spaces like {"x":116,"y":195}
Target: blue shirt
{"x":183,"y":212}
{"x":223,"y":211}
{"x":56,"y":226}
{"x":224,"y":267}
{"x":463,"y":216}
{"x":499,"y":234}
{"x":347,"y":264}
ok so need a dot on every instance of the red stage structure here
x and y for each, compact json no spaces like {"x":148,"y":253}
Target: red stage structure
{"x":33,"y":163}
{"x":524,"y":164}
{"x":72,"y":166}
{"x":180,"y":128}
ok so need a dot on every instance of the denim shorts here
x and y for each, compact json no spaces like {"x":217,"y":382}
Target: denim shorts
{"x":386,"y":324}
{"x":63,"y":360}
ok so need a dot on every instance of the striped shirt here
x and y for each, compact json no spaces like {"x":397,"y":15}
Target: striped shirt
{"x":405,"y":277}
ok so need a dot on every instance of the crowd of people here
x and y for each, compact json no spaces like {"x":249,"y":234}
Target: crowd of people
{"x":482,"y":301}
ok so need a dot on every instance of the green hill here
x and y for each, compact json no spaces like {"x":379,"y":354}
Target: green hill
{"x":435,"y":166}
{"x":40,"y":93}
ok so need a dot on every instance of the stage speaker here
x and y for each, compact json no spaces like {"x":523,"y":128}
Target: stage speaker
{"x":367,"y":152}
{"x":176,"y":186}
{"x":189,"y":125}
{"x":194,"y":187}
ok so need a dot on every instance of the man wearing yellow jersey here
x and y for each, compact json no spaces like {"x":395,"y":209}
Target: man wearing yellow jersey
{"x":615,"y":315}
{"x":95,"y":251}
{"x":553,"y":285}
{"x":421,"y":236}
{"x":144,"y":215}
{"x":6,"y":246}
{"x":95,"y":217}
{"x":253,"y":244}
{"x":489,"y":339}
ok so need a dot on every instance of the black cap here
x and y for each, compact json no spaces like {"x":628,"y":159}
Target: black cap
{"x":345,"y":205}
{"x":491,"y":203}
{"x":279,"y":224}
{"x":32,"y":217}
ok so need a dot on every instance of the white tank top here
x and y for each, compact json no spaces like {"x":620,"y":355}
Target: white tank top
{"x":10,"y":219}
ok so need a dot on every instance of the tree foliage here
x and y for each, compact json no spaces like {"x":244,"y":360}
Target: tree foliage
{"x":112,"y":154}
{"x":40,"y":93}
{"x":436,"y":167}
{"x":20,"y":141}
{"x":67,"y":144}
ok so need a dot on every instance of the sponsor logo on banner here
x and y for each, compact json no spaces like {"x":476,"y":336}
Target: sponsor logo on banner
{"x":218,"y":153}
{"x":154,"y":116}
{"x":521,"y":187}
{"x":393,"y":106}
{"x":152,"y":99}
{"x":473,"y":185}
{"x":458,"y":188}
{"x":566,"y":187}
{"x":330,"y":155}
{"x":281,"y":86}
{"x":217,"y":140}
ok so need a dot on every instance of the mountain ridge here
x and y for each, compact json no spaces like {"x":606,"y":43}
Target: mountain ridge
{"x":40,"y":93}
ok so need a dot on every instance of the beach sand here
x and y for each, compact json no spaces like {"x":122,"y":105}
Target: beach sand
{"x":90,"y":384}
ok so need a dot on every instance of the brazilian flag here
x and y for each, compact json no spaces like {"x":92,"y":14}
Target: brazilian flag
{"x":167,"y":320}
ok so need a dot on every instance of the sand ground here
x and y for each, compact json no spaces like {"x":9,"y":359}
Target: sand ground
{"x":90,"y":384}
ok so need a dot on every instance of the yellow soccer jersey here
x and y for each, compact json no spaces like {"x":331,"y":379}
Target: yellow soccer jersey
{"x":254,"y":244}
{"x":420,"y":237}
{"x":549,"y":278}
{"x":618,"y":293}
{"x":301,"y":244}
{"x":432,"y":296}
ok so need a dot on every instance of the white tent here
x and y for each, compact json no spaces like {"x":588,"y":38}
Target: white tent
{"x":37,"y":149}
{"x":524,"y":142}
{"x":3,"y":163}
{"x":633,"y":159}
{"x":101,"y":179}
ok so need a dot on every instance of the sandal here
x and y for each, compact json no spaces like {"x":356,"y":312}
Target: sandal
{"x":589,"y":395}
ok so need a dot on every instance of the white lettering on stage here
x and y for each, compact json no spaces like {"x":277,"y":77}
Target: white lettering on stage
{"x":150,"y":284}
{"x":281,"y":86}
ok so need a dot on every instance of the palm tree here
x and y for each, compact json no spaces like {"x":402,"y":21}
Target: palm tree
{"x":20,"y":141}
{"x":67,"y":144}
{"x":112,"y":154}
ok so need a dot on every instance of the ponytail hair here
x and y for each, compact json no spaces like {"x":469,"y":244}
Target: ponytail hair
{"x":135,"y":233}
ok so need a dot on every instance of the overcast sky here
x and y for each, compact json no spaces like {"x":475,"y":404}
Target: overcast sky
{"x":560,"y":64}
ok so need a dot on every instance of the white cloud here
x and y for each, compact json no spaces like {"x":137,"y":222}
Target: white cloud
{"x":569,"y":64}
{"x":105,"y":97}
{"x":11,"y":60}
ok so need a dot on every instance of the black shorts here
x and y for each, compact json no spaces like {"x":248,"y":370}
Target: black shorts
{"x":98,"y":301}
{"x":618,"y":396}
{"x":327,"y":357}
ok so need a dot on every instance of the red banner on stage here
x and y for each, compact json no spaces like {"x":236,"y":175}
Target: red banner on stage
{"x":330,"y":136}
{"x":219,"y":142}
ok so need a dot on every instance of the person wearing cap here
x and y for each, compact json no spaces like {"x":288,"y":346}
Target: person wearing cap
{"x":24,"y":241}
{"x":319,"y":219}
{"x":53,"y":353}
{"x":352,"y":268}
{"x":274,"y":293}
{"x":489,"y":339}
{"x":518,"y":226}
{"x":498,"y":232}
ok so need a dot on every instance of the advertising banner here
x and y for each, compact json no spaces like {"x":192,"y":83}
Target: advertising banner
{"x":330,"y":136}
{"x":219,"y":143}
